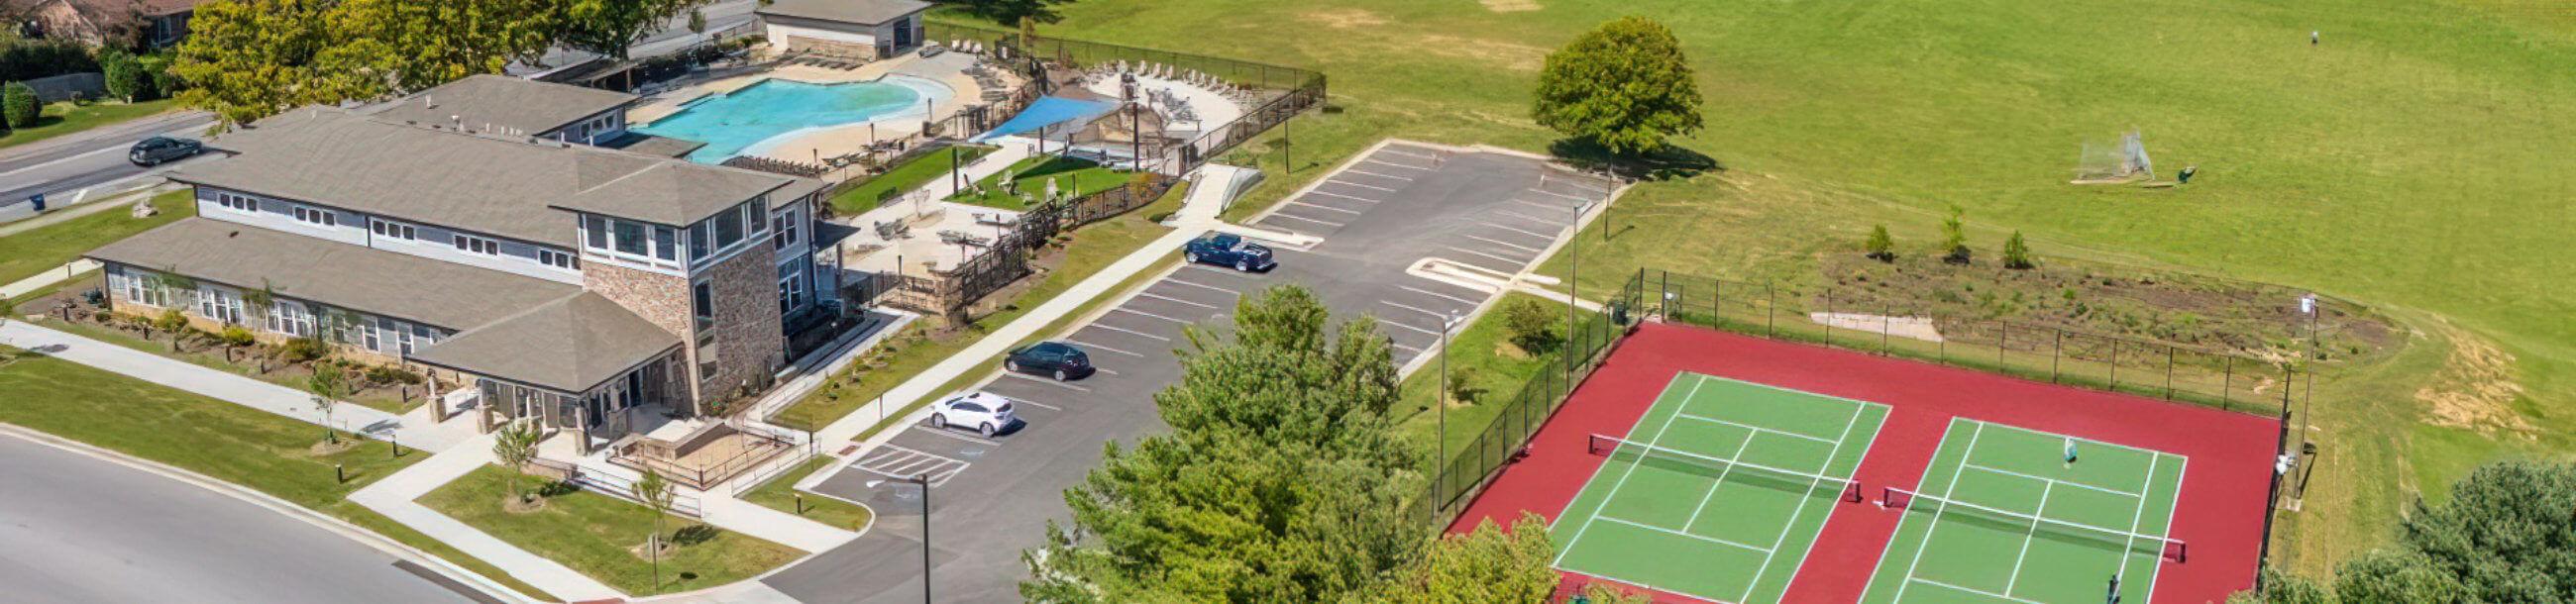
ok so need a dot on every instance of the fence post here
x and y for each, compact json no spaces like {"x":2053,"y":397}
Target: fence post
{"x":1886,"y":323}
{"x":2057,"y":356}
{"x":1770,"y":309}
{"x":2000,"y":342}
{"x":1829,"y":316}
{"x":2169,"y":369}
{"x":2115,"y":364}
{"x":2227,"y":381}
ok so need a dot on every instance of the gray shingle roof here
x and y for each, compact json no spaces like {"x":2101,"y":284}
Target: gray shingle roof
{"x":864,"y":12}
{"x":478,"y":183}
{"x":568,"y":345}
{"x":369,"y":280}
{"x":499,"y":103}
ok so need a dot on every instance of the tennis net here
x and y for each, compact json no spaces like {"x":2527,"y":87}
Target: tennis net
{"x":2131,"y":541}
{"x":1621,"y":449}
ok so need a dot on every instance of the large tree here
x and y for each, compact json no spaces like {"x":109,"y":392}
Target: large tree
{"x":248,"y":59}
{"x":1624,"y":86}
{"x":1489,"y":564}
{"x":2507,"y":535}
{"x":1280,"y":480}
{"x":1008,"y":12}
{"x":424,"y":43}
{"x":611,"y":27}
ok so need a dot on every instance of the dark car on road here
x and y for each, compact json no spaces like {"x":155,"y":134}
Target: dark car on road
{"x":162,"y":149}
{"x":1230,"y":250}
{"x":1054,"y":359}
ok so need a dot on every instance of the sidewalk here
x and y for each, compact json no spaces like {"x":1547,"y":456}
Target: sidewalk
{"x":394,"y":497}
{"x":45,"y":279}
{"x":728,"y":513}
{"x":227,"y":387}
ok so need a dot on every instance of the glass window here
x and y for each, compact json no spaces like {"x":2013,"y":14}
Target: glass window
{"x":704,"y":299}
{"x":665,"y":243}
{"x":698,"y":241}
{"x":595,"y":230}
{"x":629,"y":237}
{"x":751,"y":216}
{"x":728,"y":229}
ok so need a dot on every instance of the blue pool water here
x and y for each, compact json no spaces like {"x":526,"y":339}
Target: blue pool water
{"x":744,"y":118}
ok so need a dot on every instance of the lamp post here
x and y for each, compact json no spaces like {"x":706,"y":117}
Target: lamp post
{"x":1573,"y":283}
{"x":1447,"y":323}
{"x":923,"y":481}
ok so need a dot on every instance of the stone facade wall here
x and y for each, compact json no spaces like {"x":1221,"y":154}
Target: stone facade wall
{"x":659,"y":298}
{"x":748,"y":339}
{"x":832,"y":48}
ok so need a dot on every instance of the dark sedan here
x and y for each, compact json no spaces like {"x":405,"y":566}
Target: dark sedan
{"x":1230,"y":250}
{"x":162,"y":149}
{"x":1053,"y":359}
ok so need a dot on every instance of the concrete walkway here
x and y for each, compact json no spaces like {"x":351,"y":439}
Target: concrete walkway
{"x":757,"y":520}
{"x":395,"y":498}
{"x":44,"y":279}
{"x":280,"y":400}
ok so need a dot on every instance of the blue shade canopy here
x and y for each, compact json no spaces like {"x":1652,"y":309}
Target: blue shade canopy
{"x":1049,"y":111}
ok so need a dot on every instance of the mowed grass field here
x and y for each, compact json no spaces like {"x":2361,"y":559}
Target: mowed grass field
{"x":2408,"y":162}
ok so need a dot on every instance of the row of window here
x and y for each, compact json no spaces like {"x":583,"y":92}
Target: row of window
{"x":476,"y":245}
{"x":296,"y":319}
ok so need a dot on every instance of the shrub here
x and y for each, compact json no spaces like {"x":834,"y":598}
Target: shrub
{"x":18,"y":103}
{"x":392,"y":375}
{"x":1954,"y":236}
{"x":2017,"y":253}
{"x":1533,"y":328}
{"x":170,"y":320}
{"x":304,"y":349}
{"x":235,"y":336}
{"x":1462,"y":386}
{"x":127,"y":80}
{"x":1882,"y":247}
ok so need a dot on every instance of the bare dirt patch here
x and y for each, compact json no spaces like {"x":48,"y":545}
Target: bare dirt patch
{"x":2475,"y":390}
{"x":1509,"y":6}
{"x":1345,"y":18}
{"x":1517,"y":57}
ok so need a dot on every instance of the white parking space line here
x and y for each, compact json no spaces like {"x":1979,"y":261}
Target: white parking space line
{"x":1505,"y":244}
{"x":1563,"y":195}
{"x":1031,"y":378}
{"x":1424,"y":311}
{"x":1382,"y":162}
{"x":1438,"y":295}
{"x":1480,"y":263}
{"x":1393,"y":151}
{"x":1035,"y":403}
{"x":1542,"y":206}
{"x":1392,"y":342}
{"x":1201,"y":285}
{"x":1511,"y":261}
{"x":1097,"y":346}
{"x":1345,"y":182}
{"x":1324,"y":207}
{"x":1360,"y":171}
{"x":1103,"y":370}
{"x":895,"y":461}
{"x":1349,"y":197}
{"x":1139,"y":312}
{"x":1519,"y":230}
{"x":1275,"y":215}
{"x":1524,"y":217}
{"x":951,"y":434}
{"x":1401,"y":324}
{"x":1129,"y":331}
{"x":1172,"y":299}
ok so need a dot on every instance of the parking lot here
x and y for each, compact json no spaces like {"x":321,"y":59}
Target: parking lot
{"x":994,"y":496}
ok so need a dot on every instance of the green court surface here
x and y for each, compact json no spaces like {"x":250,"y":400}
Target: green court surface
{"x":2001,"y":516}
{"x":1718,"y":491}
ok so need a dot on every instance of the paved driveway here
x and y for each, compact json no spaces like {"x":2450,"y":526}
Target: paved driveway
{"x":994,"y":496}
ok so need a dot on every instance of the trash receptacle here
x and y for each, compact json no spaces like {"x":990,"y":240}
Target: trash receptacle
{"x":37,"y":201}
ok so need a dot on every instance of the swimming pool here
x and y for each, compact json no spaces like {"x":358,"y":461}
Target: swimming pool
{"x":773,"y":111}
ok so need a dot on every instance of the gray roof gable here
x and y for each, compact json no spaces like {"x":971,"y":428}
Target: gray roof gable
{"x":503,"y":104}
{"x":567,"y":345}
{"x":365,"y":279}
{"x":862,"y":12}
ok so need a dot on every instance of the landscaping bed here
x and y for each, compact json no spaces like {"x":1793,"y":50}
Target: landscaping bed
{"x":600,"y":536}
{"x":866,"y":195}
{"x":387,"y":389}
{"x":1027,"y":184}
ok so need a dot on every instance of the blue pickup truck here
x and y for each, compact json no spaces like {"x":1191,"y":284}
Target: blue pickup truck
{"x":1230,"y":250}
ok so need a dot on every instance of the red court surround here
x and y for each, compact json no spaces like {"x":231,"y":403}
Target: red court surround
{"x":2220,"y":512}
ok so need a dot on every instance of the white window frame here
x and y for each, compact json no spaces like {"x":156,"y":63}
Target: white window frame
{"x":786,"y":229}
{"x":558,"y":258}
{"x":471,"y":244}
{"x":791,"y":292}
{"x":392,"y":230}
{"x":316,"y":216}
{"x":240,"y":203}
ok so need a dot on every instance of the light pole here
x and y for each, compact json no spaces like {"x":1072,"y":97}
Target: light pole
{"x":1573,"y":284}
{"x":1441,"y":476}
{"x":923,"y":481}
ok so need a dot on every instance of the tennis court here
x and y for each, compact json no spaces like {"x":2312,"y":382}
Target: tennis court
{"x":2001,"y":516}
{"x":1718,"y":491}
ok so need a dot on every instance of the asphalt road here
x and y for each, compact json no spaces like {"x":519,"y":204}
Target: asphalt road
{"x":94,"y":160}
{"x":993,"y":497}
{"x":77,"y":529}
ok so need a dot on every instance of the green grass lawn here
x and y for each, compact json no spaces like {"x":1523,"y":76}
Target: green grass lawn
{"x":1093,"y":247}
{"x":67,"y":117}
{"x":22,"y":255}
{"x":227,"y":442}
{"x":212,"y":357}
{"x":593,"y":533}
{"x":902,"y":178}
{"x":2403,"y":162}
{"x":1073,"y":178}
{"x":1496,"y":369}
{"x":780,"y":494}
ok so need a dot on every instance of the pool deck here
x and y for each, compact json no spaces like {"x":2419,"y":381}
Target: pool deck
{"x":947,"y":69}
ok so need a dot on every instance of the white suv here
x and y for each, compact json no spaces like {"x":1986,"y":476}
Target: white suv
{"x":984,"y":412}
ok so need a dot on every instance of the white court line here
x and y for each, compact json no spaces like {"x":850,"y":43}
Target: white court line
{"x":1134,"y":311}
{"x":2033,"y":535}
{"x":1324,"y":207}
{"x":1801,"y":510}
{"x":1505,"y":244}
{"x":1345,"y":182}
{"x":1519,"y":230}
{"x":1359,"y":171}
{"x":1091,"y":345}
{"x":1169,"y":298}
{"x":1296,"y":217}
{"x":1349,"y":197}
{"x":1117,"y":328}
{"x":1399,"y":165}
{"x":1740,"y":448}
{"x":1031,"y":378}
{"x":2128,"y":546}
{"x":1682,"y":534}
{"x":2179,"y":477}
{"x":1980,"y":592}
{"x":1203,"y":286}
{"x":1631,"y":470}
{"x":1786,"y":433}
{"x":1507,"y":261}
{"x":2108,"y":490}
{"x":1437,"y":294}
{"x":1946,"y":489}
